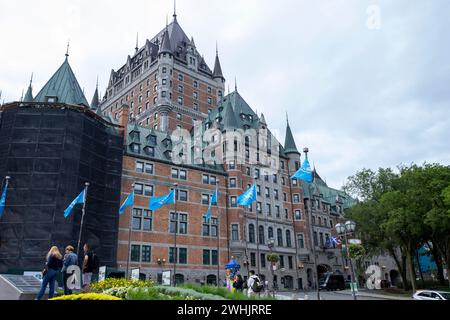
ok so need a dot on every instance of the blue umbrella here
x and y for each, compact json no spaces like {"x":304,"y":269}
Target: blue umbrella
{"x":233,"y":265}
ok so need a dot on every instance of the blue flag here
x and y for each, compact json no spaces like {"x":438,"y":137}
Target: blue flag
{"x":3,"y":199}
{"x":128,"y":202}
{"x":77,"y":200}
{"x":304,"y":173}
{"x":156,"y":203}
{"x":248,"y":197}
{"x":212,"y":202}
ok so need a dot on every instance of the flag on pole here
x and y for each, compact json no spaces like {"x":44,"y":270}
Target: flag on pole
{"x":304,"y":173}
{"x":3,"y":199}
{"x":78,"y":200}
{"x":211,"y":203}
{"x":156,"y":203}
{"x":127,"y":203}
{"x":248,"y":197}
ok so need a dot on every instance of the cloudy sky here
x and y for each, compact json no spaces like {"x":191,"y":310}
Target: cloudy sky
{"x":366,"y":83}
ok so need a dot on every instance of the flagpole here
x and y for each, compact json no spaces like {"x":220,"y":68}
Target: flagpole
{"x":258,"y":257}
{"x":129,"y":236}
{"x":218,"y":232}
{"x":175,"y":253}
{"x":86,"y":186}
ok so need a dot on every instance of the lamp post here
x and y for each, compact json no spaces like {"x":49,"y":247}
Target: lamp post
{"x":344,"y":229}
{"x":270,"y":245}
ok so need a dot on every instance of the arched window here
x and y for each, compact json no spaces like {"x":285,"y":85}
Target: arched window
{"x":270,"y":232}
{"x":261,"y":235}
{"x":251,"y":233}
{"x":288,"y":239}
{"x":280,"y":237}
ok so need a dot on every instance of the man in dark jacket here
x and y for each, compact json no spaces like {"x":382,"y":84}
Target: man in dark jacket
{"x":70,"y":259}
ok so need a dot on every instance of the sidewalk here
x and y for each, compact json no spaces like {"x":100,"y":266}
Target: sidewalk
{"x":370,"y":294}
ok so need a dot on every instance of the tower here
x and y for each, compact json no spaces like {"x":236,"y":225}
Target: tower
{"x":218,"y":76}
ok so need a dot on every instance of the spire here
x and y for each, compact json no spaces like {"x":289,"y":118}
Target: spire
{"x":192,"y":42}
{"x":29,"y":94}
{"x":262,"y":120}
{"x":289,"y":144}
{"x":175,"y":9}
{"x":217,"y":68}
{"x":95,"y":102}
{"x":21,"y":97}
{"x":235,"y":84}
{"x":67,"y":51}
{"x":137,"y":42}
{"x":62,"y":87}
{"x":165,"y":43}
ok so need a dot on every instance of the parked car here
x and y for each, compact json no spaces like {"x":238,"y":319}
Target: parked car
{"x":332,"y":281}
{"x":431,"y":295}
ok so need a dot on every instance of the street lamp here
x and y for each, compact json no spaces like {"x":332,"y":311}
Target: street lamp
{"x":270,"y":245}
{"x":343,"y":230}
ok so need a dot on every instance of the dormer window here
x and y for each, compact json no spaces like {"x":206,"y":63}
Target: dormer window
{"x":150,"y":151}
{"x":135,"y":147}
{"x":52,"y":99}
{"x":134,"y":135}
{"x":152,"y":139}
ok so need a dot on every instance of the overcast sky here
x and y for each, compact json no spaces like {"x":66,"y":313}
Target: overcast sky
{"x":366,"y":83}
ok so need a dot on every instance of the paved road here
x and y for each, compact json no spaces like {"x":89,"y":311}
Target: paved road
{"x":325,"y":295}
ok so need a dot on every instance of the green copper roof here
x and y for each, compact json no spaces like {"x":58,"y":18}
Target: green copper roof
{"x":289,"y":144}
{"x":29,"y":95}
{"x":229,"y":118}
{"x":64,"y":86}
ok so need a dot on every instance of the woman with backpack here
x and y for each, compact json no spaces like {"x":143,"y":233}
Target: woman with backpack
{"x":50,"y":272}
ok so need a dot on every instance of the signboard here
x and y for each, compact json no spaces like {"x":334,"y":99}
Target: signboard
{"x":135,"y":274}
{"x":36,"y":274}
{"x":101,"y":274}
{"x":354,"y":241}
{"x":166,"y":276}
{"x":354,"y":286}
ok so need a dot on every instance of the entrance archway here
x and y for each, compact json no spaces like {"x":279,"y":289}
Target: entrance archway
{"x":211,"y":280}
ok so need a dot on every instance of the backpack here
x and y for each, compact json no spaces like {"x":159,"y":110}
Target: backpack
{"x":257,"y":285}
{"x":94,"y":263}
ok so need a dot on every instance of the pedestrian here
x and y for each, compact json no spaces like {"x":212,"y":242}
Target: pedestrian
{"x":245,"y":286}
{"x":88,"y":267}
{"x":254,"y":284}
{"x":238,"y":282}
{"x":70,"y":259}
{"x":52,"y":266}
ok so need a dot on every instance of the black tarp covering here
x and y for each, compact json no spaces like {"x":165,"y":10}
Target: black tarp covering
{"x":50,"y":153}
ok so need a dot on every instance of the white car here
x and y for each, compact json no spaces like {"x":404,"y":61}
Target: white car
{"x":431,"y":295}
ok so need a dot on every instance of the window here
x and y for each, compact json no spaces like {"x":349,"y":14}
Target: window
{"x":232,"y":165}
{"x":257,"y":173}
{"x":258,"y":190}
{"x":301,"y":241}
{"x":316,"y":241}
{"x":261,"y":237}
{"x":146,"y":253}
{"x":180,"y":77}
{"x":181,"y":223}
{"x":180,"y":88}
{"x":247,"y":171}
{"x":251,"y":233}
{"x":270,"y":232}
{"x":148,"y":220}
{"x":205,"y":199}
{"x":195,"y":84}
{"x":267,"y":192}
{"x":291,"y":265}
{"x":296,"y":198}
{"x":209,"y":90}
{"x":298,"y":215}
{"x":164,"y":70}
{"x":175,"y":173}
{"x":183,"y":174}
{"x":288,"y":239}
{"x":138,"y":188}
{"x":163,"y":94}
{"x":180,"y":101}
{"x":263,"y":260}
{"x":209,"y":100}
{"x":280,"y":237}
{"x":149,"y":168}
{"x":275,"y":194}
{"x":268,"y":209}
{"x":210,"y":228}
{"x":210,"y":257}
{"x":232,"y":182}
{"x":259,"y":207}
{"x":178,"y":116}
{"x":266,"y":178}
{"x":321,"y":239}
{"x":235,"y":232}
{"x":281,"y":261}
{"x":195,"y":95}
{"x":212,"y":180}
{"x":286,"y":213}
{"x":282,"y":164}
{"x":283,"y":181}
{"x":275,"y":178}
{"x":182,"y":255}
{"x":137,"y":219}
{"x":294,"y":182}
{"x":233,"y":202}
{"x":252,"y":259}
{"x":135,"y":253}
{"x":205,"y":179}
{"x":182,"y":195}
{"x":148,"y":190}
{"x":139,"y":166}
{"x":277,"y":211}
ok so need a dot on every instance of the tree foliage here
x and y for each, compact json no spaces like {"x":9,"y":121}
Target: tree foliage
{"x":399,"y":212}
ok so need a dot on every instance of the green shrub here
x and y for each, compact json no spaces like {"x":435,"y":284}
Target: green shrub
{"x":110,"y":283}
{"x":87,"y":296}
{"x":168,"y":293}
{"x":223,"y":292}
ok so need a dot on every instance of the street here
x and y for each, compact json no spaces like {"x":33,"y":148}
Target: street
{"x":331,"y":295}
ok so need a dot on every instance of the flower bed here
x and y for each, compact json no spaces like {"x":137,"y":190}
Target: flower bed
{"x":87,"y":296}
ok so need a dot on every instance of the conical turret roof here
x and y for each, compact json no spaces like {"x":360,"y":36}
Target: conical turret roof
{"x":289,"y":144}
{"x":165,"y":44}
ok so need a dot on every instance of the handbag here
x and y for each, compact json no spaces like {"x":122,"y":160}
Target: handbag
{"x":44,"y":272}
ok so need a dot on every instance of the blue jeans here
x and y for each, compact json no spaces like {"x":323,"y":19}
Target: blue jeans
{"x":49,"y":279}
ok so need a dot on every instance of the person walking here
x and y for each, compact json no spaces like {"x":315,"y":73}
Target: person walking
{"x":254,"y":284}
{"x":52,"y":266}
{"x":70,"y":259}
{"x":88,"y":267}
{"x":238,"y":282}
